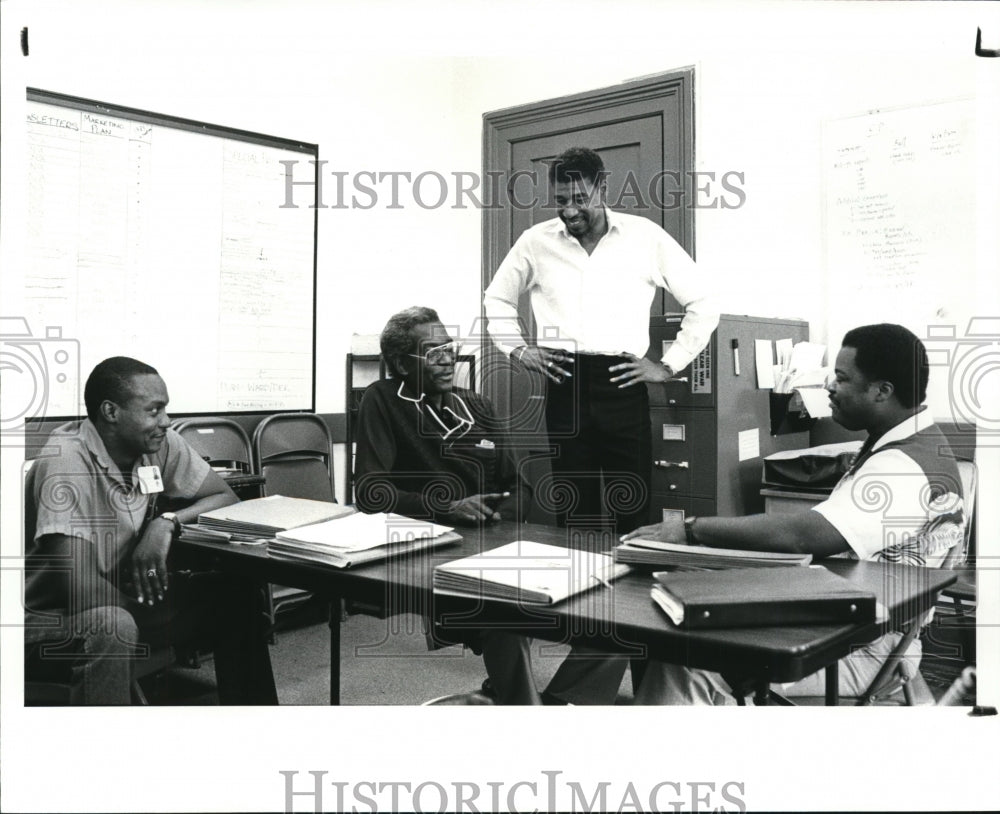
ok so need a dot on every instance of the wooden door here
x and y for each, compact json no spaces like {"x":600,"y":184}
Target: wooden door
{"x":644,"y":132}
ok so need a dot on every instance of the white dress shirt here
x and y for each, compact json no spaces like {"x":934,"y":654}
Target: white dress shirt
{"x":599,"y":303}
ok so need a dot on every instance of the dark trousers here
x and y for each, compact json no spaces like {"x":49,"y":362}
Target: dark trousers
{"x":97,"y":651}
{"x":602,"y":468}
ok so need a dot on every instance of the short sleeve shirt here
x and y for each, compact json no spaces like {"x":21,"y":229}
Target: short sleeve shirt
{"x":79,"y":491}
{"x":887,"y":509}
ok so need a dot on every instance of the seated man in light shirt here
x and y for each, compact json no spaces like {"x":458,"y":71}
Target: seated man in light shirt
{"x":880,"y":384}
{"x":100,"y":585}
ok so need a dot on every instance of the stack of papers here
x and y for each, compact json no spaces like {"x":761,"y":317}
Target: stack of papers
{"x":799,"y":365}
{"x":527,"y":572}
{"x":195,"y":533}
{"x":694,"y":557}
{"x":359,"y":538}
{"x":266,"y":516}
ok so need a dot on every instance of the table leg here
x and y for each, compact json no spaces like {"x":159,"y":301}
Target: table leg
{"x":637,"y":667}
{"x":334,"y":624}
{"x":833,"y":684}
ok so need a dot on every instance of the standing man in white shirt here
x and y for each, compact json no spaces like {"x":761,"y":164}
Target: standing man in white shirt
{"x":591,"y":274}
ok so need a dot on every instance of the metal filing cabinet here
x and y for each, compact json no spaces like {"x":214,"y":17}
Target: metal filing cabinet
{"x":697,"y":419}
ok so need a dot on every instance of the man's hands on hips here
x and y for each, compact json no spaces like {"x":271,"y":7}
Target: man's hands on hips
{"x":550,"y":362}
{"x":637,"y":370}
{"x":149,"y":561}
{"x":671,"y":530}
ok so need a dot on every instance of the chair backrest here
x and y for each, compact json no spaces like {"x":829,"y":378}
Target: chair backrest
{"x":359,"y":367}
{"x":293,"y":451}
{"x":30,"y":511}
{"x":969,"y":475}
{"x":220,"y":441}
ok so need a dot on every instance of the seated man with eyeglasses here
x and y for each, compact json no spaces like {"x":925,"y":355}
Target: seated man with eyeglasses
{"x":427,"y":449}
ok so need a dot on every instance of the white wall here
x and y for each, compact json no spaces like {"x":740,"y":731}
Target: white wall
{"x":402,"y":87}
{"x":398,"y":88}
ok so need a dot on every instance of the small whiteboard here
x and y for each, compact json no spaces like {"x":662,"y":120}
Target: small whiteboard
{"x":900,"y":223}
{"x":166,"y":240}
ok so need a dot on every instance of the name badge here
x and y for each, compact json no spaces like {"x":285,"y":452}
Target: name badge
{"x":150,"y":481}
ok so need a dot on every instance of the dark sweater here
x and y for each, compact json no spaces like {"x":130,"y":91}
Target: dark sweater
{"x":415,"y":460}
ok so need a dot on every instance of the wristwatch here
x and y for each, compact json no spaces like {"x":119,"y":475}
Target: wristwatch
{"x":173,"y":520}
{"x":689,"y":529}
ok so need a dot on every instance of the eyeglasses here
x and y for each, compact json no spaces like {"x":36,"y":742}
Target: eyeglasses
{"x":440,"y":354}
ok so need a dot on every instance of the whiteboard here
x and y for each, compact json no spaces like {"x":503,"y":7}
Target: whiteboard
{"x":900,"y":224}
{"x":166,"y":240}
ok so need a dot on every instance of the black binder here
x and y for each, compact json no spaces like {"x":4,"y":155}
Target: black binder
{"x":759,"y":597}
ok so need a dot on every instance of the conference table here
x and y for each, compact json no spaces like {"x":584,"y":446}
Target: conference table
{"x":621,"y":619}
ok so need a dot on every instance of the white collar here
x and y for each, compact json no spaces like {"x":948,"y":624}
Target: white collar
{"x":92,"y":440}
{"x":612,"y":218}
{"x":465,"y":421}
{"x":905,"y":428}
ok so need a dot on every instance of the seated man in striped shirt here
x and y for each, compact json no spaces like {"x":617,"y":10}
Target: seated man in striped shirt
{"x":880,"y":384}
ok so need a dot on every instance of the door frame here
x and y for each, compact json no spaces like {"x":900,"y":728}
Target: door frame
{"x":496,"y":147}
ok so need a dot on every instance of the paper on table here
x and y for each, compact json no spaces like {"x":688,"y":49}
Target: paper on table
{"x":359,"y":532}
{"x":816,"y":401}
{"x":764,"y":358}
{"x":527,"y":571}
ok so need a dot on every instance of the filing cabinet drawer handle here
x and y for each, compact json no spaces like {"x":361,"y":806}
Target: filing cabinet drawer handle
{"x":671,"y":464}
